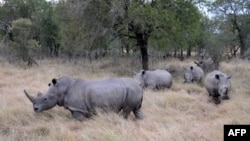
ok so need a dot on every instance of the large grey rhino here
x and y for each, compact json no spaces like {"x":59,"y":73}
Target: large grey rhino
{"x":218,"y":85}
{"x":193,"y":74}
{"x":157,"y":79}
{"x":207,"y":65}
{"x":83,"y":97}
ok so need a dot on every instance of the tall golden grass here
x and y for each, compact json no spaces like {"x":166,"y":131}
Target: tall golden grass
{"x":180,"y":113}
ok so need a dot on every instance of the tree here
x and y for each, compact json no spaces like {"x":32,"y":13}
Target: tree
{"x":44,"y":28}
{"x":79,"y":27}
{"x":84,"y":26}
{"x":22,"y":44}
{"x":175,"y":21}
{"x":87,"y":24}
{"x":237,"y":13}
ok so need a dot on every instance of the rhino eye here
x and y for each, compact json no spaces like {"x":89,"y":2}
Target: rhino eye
{"x":45,"y":99}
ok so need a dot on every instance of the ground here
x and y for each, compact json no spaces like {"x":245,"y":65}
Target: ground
{"x":183,"y":112}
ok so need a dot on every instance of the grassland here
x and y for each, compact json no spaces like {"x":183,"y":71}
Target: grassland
{"x":177,"y":114}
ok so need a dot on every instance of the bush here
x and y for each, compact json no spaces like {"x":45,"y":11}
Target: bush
{"x":22,"y":45}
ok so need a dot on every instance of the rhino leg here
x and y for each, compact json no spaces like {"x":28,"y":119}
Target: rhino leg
{"x":210,"y":93}
{"x":217,"y":100}
{"x":158,"y":87}
{"x":78,"y":115}
{"x":226,"y":97}
{"x":138,"y":114}
{"x":126,"y":112}
{"x":170,"y":85}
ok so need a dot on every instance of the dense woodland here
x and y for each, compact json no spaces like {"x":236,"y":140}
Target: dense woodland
{"x":93,"y":29}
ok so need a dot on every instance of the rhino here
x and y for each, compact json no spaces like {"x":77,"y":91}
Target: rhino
{"x":193,"y":74}
{"x":218,"y":85}
{"x":207,"y":65}
{"x":157,"y":79}
{"x":83,"y":97}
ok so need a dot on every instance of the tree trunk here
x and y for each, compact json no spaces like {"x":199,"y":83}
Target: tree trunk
{"x":242,"y":45}
{"x":142,"y":42}
{"x":181,"y":55}
{"x":189,"y":52}
{"x":127,"y":48}
{"x":240,"y":36}
{"x":175,"y":53}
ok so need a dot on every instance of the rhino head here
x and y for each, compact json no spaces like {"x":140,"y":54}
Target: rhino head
{"x":139,"y":78}
{"x":188,"y":74}
{"x":200,"y":64}
{"x":223,"y":86}
{"x":45,"y":101}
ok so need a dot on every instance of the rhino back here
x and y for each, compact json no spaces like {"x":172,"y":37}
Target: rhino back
{"x":75,"y":96}
{"x":106,"y":94}
{"x":198,"y":73}
{"x":163,"y":77}
{"x":115,"y":92}
{"x":149,"y":79}
{"x":193,"y":74}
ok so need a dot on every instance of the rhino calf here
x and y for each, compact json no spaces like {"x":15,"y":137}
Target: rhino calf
{"x":207,"y":65}
{"x":83,"y":97}
{"x":218,"y":85}
{"x":157,"y":79}
{"x":193,"y":74}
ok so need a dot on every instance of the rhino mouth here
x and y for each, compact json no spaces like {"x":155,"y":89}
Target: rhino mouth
{"x":37,"y":109}
{"x":225,"y":97}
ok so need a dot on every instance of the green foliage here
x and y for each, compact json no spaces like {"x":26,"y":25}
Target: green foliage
{"x":22,"y":43}
{"x":21,"y":30}
{"x":33,"y":45}
{"x":80,"y":27}
{"x":71,"y":31}
{"x":22,"y":23}
{"x":44,"y":27}
{"x":235,"y":15}
{"x":170,"y":23}
{"x":144,"y":17}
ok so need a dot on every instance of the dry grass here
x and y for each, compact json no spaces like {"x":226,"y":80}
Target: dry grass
{"x":180,"y":113}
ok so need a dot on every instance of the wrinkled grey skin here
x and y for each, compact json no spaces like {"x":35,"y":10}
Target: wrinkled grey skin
{"x":157,"y":79}
{"x":83,"y":97}
{"x":207,"y":65}
{"x":193,"y":74}
{"x":218,"y":85}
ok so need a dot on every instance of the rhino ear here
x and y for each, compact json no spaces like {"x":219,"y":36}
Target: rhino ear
{"x":54,"y":81}
{"x":196,"y":62}
{"x":229,"y":77}
{"x":217,"y":76}
{"x":143,"y":72}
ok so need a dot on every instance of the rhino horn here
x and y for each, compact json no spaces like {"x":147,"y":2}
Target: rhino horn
{"x":31,"y":98}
